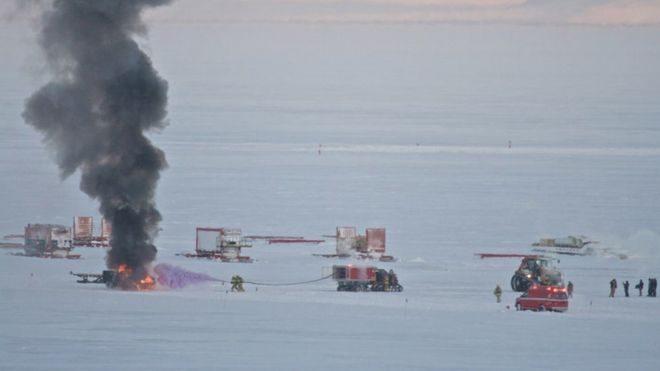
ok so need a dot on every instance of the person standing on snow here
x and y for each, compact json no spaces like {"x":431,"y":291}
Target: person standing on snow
{"x":653,"y":286}
{"x":240,"y":284}
{"x":498,"y":293}
{"x":626,"y":285}
{"x":237,"y":283}
{"x":394,"y":281}
{"x":569,"y":289}
{"x":612,"y":287}
{"x":234,"y":283}
{"x":640,"y":287}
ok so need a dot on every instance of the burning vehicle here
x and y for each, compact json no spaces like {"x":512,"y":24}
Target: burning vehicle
{"x":103,"y":96}
{"x":126,"y":279}
{"x":121,"y":278}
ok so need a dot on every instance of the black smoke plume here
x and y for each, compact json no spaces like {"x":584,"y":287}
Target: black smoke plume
{"x":103,"y":95}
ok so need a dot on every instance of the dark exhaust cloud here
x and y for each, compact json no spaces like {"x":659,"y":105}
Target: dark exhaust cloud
{"x":103,"y":95}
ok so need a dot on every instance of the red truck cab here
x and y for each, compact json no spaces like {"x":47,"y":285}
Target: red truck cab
{"x":541,"y":298}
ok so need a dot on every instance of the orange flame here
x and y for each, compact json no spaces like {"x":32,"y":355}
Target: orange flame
{"x":146,"y":283}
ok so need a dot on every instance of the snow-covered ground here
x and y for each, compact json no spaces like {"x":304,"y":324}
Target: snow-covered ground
{"x":414,"y":139}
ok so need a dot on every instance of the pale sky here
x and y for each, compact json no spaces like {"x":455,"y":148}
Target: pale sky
{"x":603,"y":12}
{"x":590,"y":12}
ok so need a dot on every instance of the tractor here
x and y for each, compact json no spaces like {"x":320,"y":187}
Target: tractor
{"x":535,"y":269}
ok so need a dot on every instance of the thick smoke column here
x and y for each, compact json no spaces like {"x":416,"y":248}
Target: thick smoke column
{"x":103,"y":95}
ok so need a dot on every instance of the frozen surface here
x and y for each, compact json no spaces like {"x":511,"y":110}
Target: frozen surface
{"x":414,"y":135}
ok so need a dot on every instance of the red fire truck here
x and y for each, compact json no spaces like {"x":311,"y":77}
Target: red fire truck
{"x":541,"y":298}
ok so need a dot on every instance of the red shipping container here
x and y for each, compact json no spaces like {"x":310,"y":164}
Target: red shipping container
{"x":106,"y":228}
{"x":83,"y":228}
{"x":376,"y":240}
{"x":361,"y":273}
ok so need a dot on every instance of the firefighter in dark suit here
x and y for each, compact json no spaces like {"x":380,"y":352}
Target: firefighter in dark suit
{"x":237,"y":283}
{"x":498,"y":293}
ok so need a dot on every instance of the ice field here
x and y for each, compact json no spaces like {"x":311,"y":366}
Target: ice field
{"x":414,"y":123}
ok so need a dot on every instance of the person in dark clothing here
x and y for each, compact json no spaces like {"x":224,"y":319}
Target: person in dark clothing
{"x":498,"y":293}
{"x":612,"y":287}
{"x":650,"y":288}
{"x":237,"y":283}
{"x":626,"y":285}
{"x":640,"y":287}
{"x":569,"y":289}
{"x":394,"y":280}
{"x":653,"y":282}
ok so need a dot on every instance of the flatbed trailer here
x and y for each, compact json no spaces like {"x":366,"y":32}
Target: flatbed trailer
{"x":492,"y":255}
{"x":217,"y":256}
{"x":288,"y":241}
{"x":273,"y":237}
{"x":49,"y":255}
{"x":89,"y":277}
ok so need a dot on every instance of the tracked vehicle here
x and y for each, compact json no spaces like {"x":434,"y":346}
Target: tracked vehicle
{"x":355,"y":278}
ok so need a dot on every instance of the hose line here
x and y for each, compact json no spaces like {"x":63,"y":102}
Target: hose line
{"x":288,"y":283}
